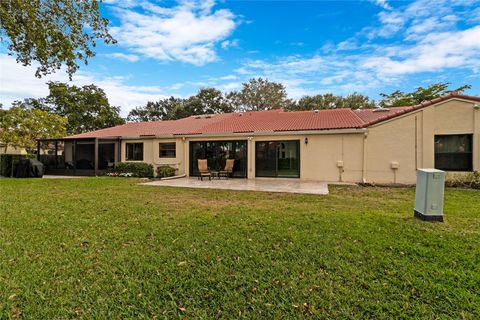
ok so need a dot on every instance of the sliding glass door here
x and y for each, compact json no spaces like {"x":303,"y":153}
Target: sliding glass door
{"x":217,"y":153}
{"x":280,"y":159}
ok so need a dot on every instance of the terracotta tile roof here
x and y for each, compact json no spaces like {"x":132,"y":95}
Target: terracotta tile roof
{"x":189,"y":125}
{"x":263,"y":121}
{"x":278,"y":120}
{"x":371,"y":115}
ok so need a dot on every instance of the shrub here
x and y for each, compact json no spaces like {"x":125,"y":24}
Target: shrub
{"x":138,"y":169}
{"x":9,"y":161}
{"x":466,"y":180}
{"x":165,"y":171}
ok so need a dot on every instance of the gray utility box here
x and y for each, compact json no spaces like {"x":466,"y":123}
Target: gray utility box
{"x":429,"y":194}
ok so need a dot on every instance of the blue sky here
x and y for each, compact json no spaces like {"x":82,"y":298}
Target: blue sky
{"x":175,"y":47}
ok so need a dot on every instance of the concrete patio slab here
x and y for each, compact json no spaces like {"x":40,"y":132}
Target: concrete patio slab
{"x":259,"y":184}
{"x":47,"y":176}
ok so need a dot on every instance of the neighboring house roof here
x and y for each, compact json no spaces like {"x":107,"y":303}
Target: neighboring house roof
{"x":264,"y":121}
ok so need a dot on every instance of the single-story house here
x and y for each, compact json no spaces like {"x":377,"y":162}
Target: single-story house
{"x":365,"y":145}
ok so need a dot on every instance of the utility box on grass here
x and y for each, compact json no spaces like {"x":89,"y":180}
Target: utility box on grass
{"x":429,"y":194}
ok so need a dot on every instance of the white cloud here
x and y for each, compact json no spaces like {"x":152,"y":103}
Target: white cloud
{"x":426,"y":41}
{"x":229,"y":77}
{"x":420,"y":17}
{"x":303,"y":75}
{"x":392,"y":22}
{"x":382,"y":3}
{"x":229,"y":44}
{"x":123,"y":56}
{"x":187,"y":32}
{"x":18,"y":82}
{"x":436,"y":52}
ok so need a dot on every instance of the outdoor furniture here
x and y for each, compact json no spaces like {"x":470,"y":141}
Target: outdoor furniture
{"x":227,"y":171}
{"x":203,"y":169}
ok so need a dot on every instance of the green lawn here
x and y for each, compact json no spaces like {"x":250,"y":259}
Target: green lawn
{"x":108,"y":248}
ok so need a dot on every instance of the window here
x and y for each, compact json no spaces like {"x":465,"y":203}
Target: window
{"x":134,"y":151}
{"x":454,"y":152}
{"x":168,"y":150}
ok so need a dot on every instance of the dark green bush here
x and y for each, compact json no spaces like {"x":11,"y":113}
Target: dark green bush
{"x":7,"y":161}
{"x":165,"y":171}
{"x":467,"y":180}
{"x":138,"y":169}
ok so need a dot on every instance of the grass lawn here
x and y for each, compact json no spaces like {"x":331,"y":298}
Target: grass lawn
{"x":108,"y":248}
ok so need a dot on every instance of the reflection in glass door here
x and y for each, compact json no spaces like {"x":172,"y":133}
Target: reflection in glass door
{"x":216,"y":153}
{"x":277,"y":159}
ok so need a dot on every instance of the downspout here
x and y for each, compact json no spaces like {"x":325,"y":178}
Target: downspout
{"x":250,"y":158}
{"x":476,"y":137}
{"x":95,"y":157}
{"x":186,"y":157}
{"x":416,"y":143}
{"x":364,"y":169}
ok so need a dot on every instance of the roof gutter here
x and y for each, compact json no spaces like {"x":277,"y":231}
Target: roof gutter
{"x":252,"y":134}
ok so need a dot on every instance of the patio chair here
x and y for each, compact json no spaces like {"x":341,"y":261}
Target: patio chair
{"x":228,"y":170}
{"x":203,"y":169}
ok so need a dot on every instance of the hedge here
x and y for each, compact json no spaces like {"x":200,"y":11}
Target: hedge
{"x":8,"y":162}
{"x":464,"y":180}
{"x":138,"y":169}
{"x":165,"y":171}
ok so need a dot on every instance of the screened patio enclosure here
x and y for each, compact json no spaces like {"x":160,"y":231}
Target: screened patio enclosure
{"x":83,"y":157}
{"x":217,"y":153}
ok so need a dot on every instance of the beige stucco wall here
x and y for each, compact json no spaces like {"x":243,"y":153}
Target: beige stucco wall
{"x":409,"y":140}
{"x":406,"y":141}
{"x":318,"y":158}
{"x":392,"y":142}
{"x":151,"y":152}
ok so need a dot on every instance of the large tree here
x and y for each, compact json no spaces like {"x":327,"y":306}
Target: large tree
{"x":86,"y":108}
{"x":399,"y":98}
{"x":260,"y":94}
{"x":21,"y":126}
{"x":2,"y":111}
{"x":206,"y":101}
{"x":163,"y":109}
{"x":331,"y":101}
{"x":209,"y":101}
{"x":52,"y":32}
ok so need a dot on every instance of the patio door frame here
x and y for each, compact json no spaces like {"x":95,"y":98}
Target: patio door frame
{"x":277,"y":149}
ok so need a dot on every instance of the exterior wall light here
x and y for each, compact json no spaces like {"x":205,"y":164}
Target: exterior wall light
{"x":306,"y":140}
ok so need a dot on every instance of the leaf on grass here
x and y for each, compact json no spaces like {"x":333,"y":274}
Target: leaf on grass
{"x":182,"y":263}
{"x":16,"y":313}
{"x":314,"y":287}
